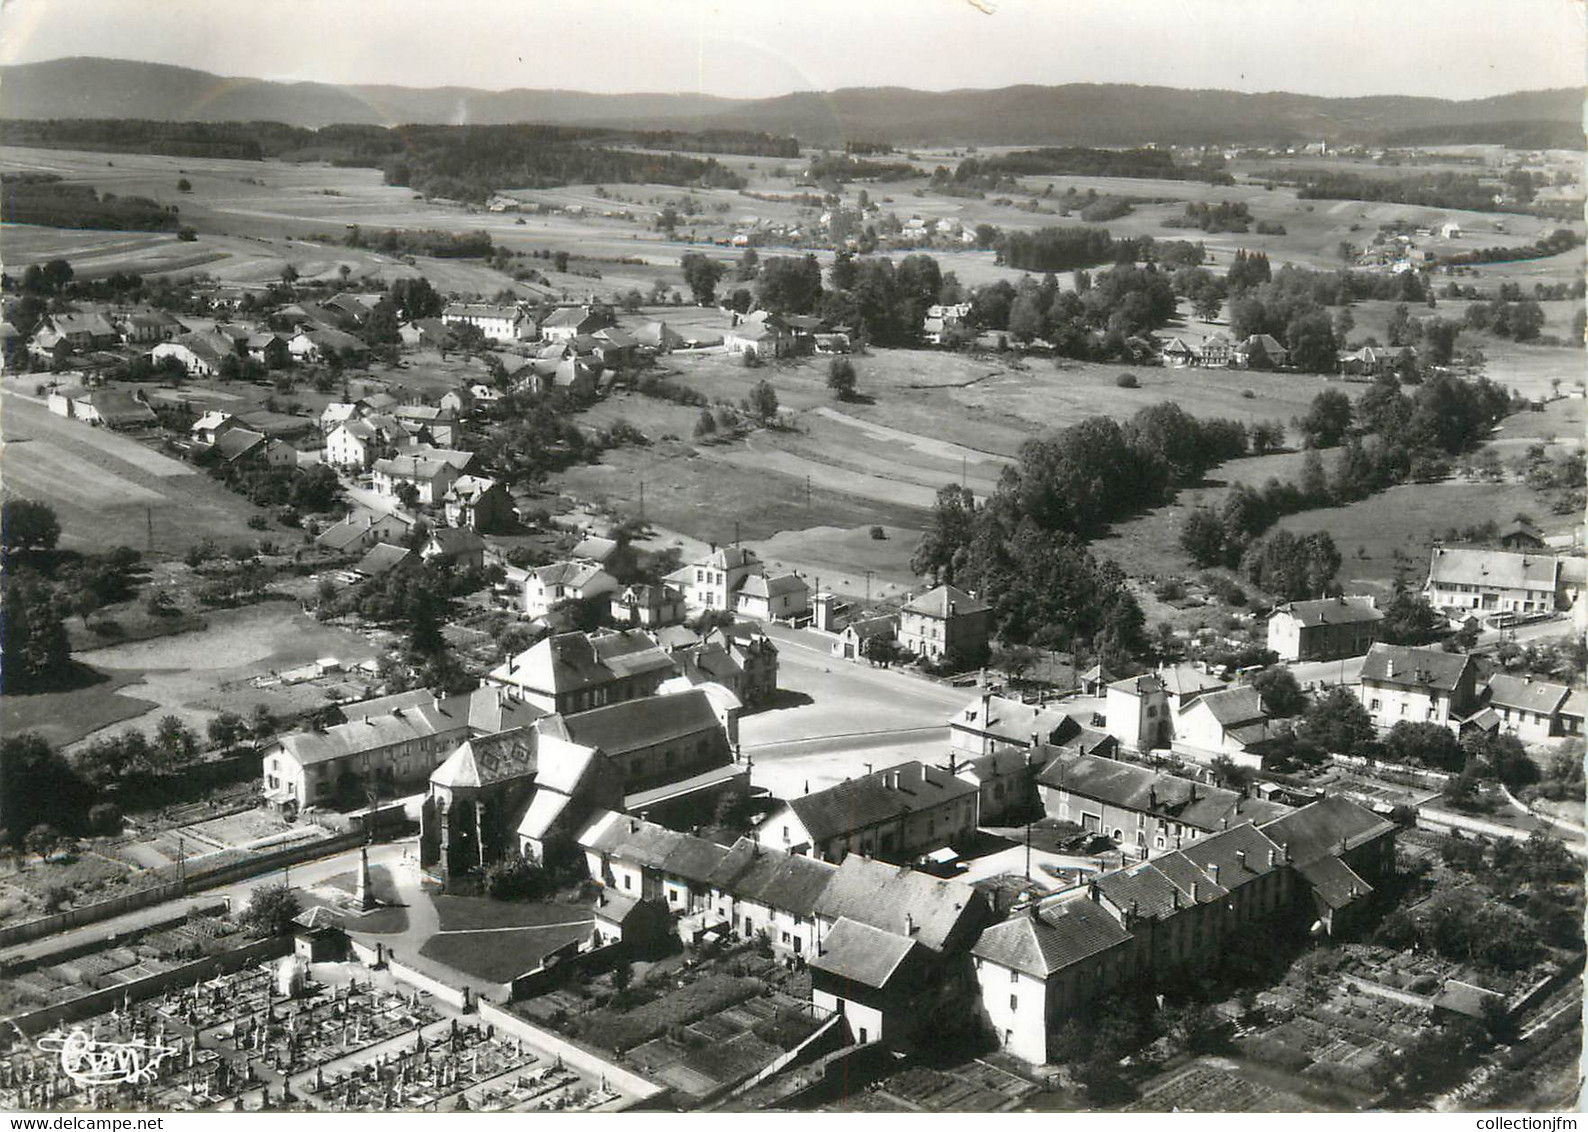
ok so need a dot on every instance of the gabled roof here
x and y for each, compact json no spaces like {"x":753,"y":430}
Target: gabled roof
{"x":1415,"y":668}
{"x":895,"y":899}
{"x":1334,"y":882}
{"x":1159,"y":888}
{"x":935,"y":603}
{"x":400,"y":725}
{"x":1058,"y":936}
{"x":631,"y":839}
{"x":488,"y":759}
{"x":1137,"y":788}
{"x":619,"y":728}
{"x":862,"y":954}
{"x":1525,"y":694}
{"x":1188,"y":680}
{"x":545,"y":808}
{"x":728,"y":558}
{"x":1492,"y":569}
{"x":1233,"y":706}
{"x":1331,"y":611}
{"x":237,"y":442}
{"x":453,"y":541}
{"x":573,"y":661}
{"x":576,"y":318}
{"x":868,"y":627}
{"x":865,"y":801}
{"x":1144,"y":685}
{"x":594,"y":549}
{"x":786,"y":882}
{"x":317,"y":919}
{"x":412,"y":466}
{"x":381,"y":558}
{"x":770,"y":586}
{"x":1226,"y":848}
{"x":576,"y":575}
{"x":1330,"y":826}
{"x":1012,"y":720}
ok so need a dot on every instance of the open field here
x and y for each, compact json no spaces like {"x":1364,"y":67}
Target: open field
{"x":108,"y":489}
{"x":197,"y":675}
{"x":66,"y":716}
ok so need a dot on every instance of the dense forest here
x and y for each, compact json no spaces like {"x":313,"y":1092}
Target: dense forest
{"x":1056,"y":249}
{"x":461,"y":162}
{"x":1081,"y":161}
{"x":42,"y":198}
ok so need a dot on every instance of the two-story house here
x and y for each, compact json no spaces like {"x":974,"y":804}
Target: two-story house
{"x":946,"y":624}
{"x":1417,"y":685}
{"x":1325,"y":629}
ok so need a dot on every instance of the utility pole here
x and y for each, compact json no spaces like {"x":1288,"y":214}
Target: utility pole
{"x":1028,"y":850}
{"x":148,"y":517}
{"x":868,"y":589}
{"x":962,"y":471}
{"x":642,"y":501}
{"x":736,"y":533}
{"x":807,"y":493}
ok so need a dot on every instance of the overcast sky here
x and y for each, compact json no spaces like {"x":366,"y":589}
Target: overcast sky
{"x":756,"y":48}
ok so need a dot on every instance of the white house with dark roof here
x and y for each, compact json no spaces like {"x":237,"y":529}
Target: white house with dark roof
{"x":497,"y":321}
{"x":770,"y":597}
{"x":1324,"y":629}
{"x":572,"y":672}
{"x":1229,"y":723}
{"x":989,"y":723}
{"x":1132,"y":927}
{"x":1529,"y":709}
{"x":546,"y":587}
{"x":945,"y":622}
{"x":714,"y":581}
{"x":897,"y":813}
{"x":1463,"y":579}
{"x":1415,"y":685}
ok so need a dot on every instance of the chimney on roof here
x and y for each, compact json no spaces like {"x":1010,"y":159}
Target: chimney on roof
{"x":1193,"y":892}
{"x":1240,"y":856}
{"x":909,"y":924}
{"x":1213,"y":871}
{"x":634,"y":826}
{"x":951,"y":609}
{"x":1273,"y":858}
{"x":807,"y":786}
{"x":1174,"y":898}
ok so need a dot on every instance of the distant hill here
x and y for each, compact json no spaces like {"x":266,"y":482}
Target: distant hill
{"x":1079,"y":114}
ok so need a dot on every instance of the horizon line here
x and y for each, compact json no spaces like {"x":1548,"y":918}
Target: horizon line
{"x":772,"y":97}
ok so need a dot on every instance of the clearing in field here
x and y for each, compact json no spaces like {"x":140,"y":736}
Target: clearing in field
{"x":110,"y":490}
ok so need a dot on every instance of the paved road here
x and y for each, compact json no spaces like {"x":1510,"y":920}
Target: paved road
{"x":301,"y":875}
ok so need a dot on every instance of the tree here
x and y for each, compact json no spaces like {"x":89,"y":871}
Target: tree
{"x":175,"y":740}
{"x":1282,"y":695}
{"x":762,"y":402}
{"x":1424,"y":744}
{"x":841,"y":378}
{"x":42,"y":840}
{"x":407,"y":494}
{"x":701,"y":275}
{"x":1337,"y":723}
{"x":947,"y":538}
{"x":34,"y":650}
{"x":27,"y":525}
{"x":184,"y":185}
{"x":1327,"y":419}
{"x":271,"y":910}
{"x":880,"y":649}
{"x":1202,"y":537}
{"x":36,"y":783}
{"x":262,"y":722}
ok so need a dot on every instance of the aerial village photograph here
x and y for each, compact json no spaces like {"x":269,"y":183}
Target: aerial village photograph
{"x":842,"y":556}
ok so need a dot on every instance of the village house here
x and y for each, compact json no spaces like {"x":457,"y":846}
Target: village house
{"x":201,"y":353}
{"x":946,"y":323}
{"x":569,"y":322}
{"x":355,"y":444}
{"x":244,"y":446}
{"x":1177,"y":355}
{"x":1492,"y":581}
{"x":479,"y":503}
{"x":1529,"y":709}
{"x":759,"y":891}
{"x":1215,"y":351}
{"x":945,"y":625}
{"x":498,"y":322}
{"x":428,"y":333}
{"x":760,"y":335}
{"x":1417,"y":685}
{"x":381,"y":559}
{"x":647,"y":606}
{"x":572,"y":672}
{"x":111,"y":408}
{"x":773,"y":597}
{"x":321,"y":345}
{"x":894,"y":949}
{"x":429,"y":472}
{"x":1143,"y":811}
{"x":756,"y":656}
{"x":1141,"y":710}
{"x":897,"y":814}
{"x":338,"y":413}
{"x":80,"y":331}
{"x":1261,"y":351}
{"x":145,"y":325}
{"x":208,"y":428}
{"x":1230,"y":723}
{"x":430,"y":423}
{"x":991,"y":722}
{"x":1325,"y":629}
{"x":850,"y":643}
{"x":714,"y":581}
{"x":547,"y":587}
{"x":1132,"y":927}
{"x":386,"y":746}
{"x":1005,"y":779}
{"x":457,"y":546}
{"x":361,"y":530}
